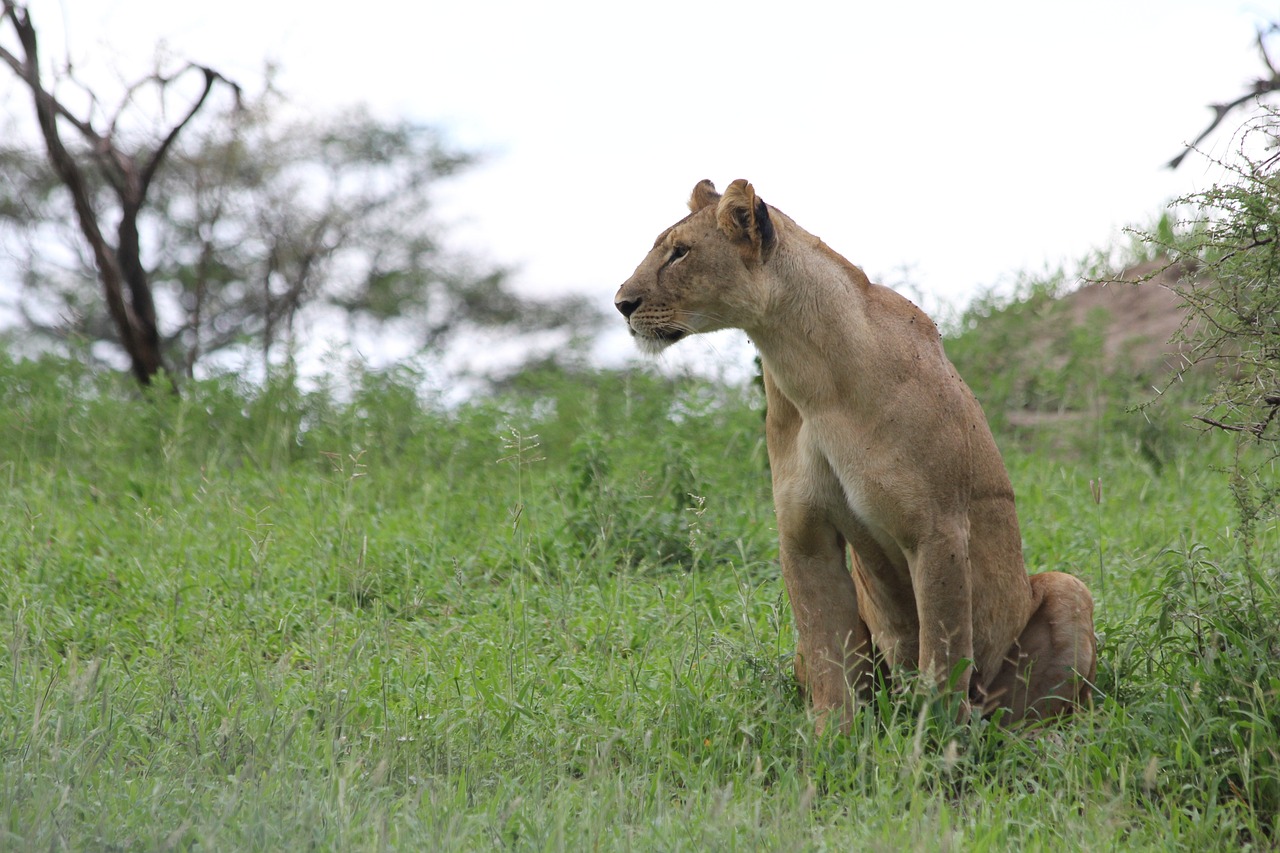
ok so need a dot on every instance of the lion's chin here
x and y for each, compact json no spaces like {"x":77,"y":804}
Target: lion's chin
{"x":653,"y":343}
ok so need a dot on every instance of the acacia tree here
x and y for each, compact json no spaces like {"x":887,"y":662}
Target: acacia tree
{"x":1231,"y":250}
{"x":128,"y":174}
{"x":1232,"y":296}
{"x":1233,"y":244}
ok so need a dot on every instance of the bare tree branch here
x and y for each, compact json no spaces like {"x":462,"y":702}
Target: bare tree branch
{"x":19,"y":68}
{"x":1261,"y":86}
{"x":69,"y":173}
{"x":119,"y":268}
{"x":210,"y":78}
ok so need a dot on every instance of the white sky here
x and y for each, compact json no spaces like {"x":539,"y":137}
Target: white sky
{"x":960,"y":142}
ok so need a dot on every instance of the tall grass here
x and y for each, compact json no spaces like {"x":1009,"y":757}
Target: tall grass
{"x":267,"y":618}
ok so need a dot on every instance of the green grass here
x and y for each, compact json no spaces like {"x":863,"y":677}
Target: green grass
{"x":267,"y":619}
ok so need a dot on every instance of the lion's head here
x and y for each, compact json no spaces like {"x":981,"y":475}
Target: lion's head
{"x":705,"y":272}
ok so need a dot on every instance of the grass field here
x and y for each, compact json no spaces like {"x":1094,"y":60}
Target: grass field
{"x":257,"y":618}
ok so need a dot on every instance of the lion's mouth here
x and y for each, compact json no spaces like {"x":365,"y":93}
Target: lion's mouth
{"x":669,"y":335}
{"x":654,"y":340}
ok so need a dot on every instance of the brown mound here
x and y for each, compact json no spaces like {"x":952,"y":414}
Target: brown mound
{"x":1144,"y":314}
{"x":1135,"y":317}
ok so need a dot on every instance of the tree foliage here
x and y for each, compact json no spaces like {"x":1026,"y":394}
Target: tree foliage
{"x":267,"y":217}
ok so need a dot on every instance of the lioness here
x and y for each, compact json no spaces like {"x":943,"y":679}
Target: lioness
{"x":874,"y":441}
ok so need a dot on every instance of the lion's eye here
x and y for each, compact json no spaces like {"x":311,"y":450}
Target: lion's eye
{"x":678,"y":252}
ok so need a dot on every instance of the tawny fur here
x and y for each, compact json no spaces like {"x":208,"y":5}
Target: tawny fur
{"x":879,"y":448}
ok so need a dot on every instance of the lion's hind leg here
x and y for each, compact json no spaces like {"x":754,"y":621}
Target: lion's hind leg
{"x":1052,"y":665}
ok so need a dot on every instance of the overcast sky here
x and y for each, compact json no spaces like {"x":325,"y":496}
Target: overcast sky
{"x":945,"y":144}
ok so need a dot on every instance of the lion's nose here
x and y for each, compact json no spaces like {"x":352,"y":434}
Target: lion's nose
{"x":627,"y":306}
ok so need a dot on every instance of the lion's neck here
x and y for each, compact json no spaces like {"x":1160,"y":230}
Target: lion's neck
{"x":817,"y":335}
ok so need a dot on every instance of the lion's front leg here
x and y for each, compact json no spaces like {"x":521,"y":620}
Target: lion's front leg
{"x":833,"y":656}
{"x":943,"y":583}
{"x":834,"y":650}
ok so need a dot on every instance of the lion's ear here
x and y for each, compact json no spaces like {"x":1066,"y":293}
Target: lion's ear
{"x":745,"y":218}
{"x":704,"y":193}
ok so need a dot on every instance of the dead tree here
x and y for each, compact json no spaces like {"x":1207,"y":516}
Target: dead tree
{"x":125,"y":283}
